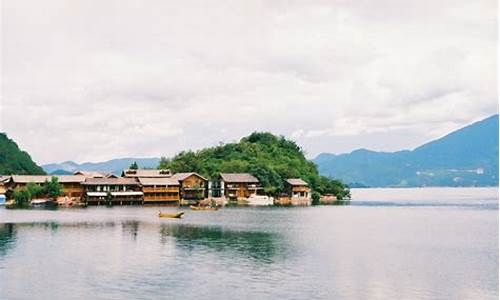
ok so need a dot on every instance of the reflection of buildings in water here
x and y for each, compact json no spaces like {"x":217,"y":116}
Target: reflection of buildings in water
{"x":131,"y":228}
{"x":260,"y":246}
{"x":7,"y":237}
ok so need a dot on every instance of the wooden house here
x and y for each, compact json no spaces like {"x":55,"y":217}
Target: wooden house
{"x":112,"y":191}
{"x":71,"y":184}
{"x":236,"y":186}
{"x":193,"y":186}
{"x":160,"y":190}
{"x":146,"y":173}
{"x":297,"y":192}
{"x":4,"y":181}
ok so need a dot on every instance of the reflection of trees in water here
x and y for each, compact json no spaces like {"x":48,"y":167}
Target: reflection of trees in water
{"x":261,"y":246}
{"x":7,"y":237}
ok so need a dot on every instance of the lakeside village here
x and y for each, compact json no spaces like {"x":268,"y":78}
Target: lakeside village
{"x":150,"y":187}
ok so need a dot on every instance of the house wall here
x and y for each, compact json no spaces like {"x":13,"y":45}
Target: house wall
{"x":235,"y":191}
{"x":189,"y":187}
{"x":158,"y":194}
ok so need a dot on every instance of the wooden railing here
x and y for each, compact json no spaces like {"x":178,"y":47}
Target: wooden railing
{"x":160,"y":189}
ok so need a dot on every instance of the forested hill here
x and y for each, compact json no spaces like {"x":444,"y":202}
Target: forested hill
{"x":15,"y":161}
{"x":270,"y":158}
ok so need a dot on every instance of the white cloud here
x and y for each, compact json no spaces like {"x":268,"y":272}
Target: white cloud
{"x":90,"y":80}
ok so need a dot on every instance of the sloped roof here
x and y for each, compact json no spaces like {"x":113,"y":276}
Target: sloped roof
{"x":182,"y":176}
{"x":4,"y":178}
{"x":296,"y":181}
{"x":158,"y":181}
{"x":239,"y":177}
{"x":146,"y":173}
{"x":90,"y":174}
{"x":110,"y":181}
{"x":43,"y":178}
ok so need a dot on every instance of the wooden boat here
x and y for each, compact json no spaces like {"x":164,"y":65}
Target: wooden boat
{"x":171,"y":215}
{"x":206,"y":208}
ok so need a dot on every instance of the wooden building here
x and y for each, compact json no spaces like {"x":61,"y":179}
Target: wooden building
{"x":193,"y":187}
{"x":4,"y":180}
{"x":112,"y":191}
{"x":160,"y":190}
{"x":146,"y":173}
{"x":297,"y":192}
{"x":71,"y":184}
{"x":236,"y":186}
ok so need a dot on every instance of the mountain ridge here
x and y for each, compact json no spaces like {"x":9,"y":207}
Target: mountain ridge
{"x":464,"y":157}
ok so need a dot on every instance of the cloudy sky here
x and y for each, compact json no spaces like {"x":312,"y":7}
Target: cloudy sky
{"x":91,"y":80}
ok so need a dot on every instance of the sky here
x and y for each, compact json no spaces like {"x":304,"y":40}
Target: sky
{"x":91,"y":80}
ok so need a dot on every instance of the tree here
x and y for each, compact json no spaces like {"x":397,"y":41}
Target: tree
{"x":315,"y":198}
{"x":52,"y":188}
{"x":22,"y":198}
{"x":134,"y":166}
{"x":35,"y":190}
{"x":270,"y":158}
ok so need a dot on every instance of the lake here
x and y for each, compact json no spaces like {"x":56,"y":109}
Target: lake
{"x":429,"y":243}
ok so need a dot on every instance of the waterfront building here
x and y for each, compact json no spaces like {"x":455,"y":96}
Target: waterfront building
{"x":71,"y":184}
{"x":297,"y":192}
{"x":193,"y":187}
{"x":3,"y":188}
{"x":112,"y":191}
{"x":160,"y":190}
{"x":146,"y":173}
{"x":236,"y":186}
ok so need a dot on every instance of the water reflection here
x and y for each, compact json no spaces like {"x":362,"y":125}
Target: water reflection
{"x":131,"y":228}
{"x":259,"y":246}
{"x":7,"y":238}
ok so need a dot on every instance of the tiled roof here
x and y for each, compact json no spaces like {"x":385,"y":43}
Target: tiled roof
{"x":239,"y":177}
{"x":158,"y":181}
{"x":43,"y":178}
{"x":146,"y":173}
{"x":110,"y":181}
{"x":182,"y":176}
{"x":90,"y":174}
{"x":296,"y":181}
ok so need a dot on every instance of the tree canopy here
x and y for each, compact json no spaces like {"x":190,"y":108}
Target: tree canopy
{"x":272,"y":159}
{"x":15,"y":161}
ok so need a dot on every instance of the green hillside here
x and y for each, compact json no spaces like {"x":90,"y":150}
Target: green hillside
{"x":15,"y":161}
{"x":270,"y":158}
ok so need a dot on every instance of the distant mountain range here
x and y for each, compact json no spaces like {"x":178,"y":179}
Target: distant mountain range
{"x":466,"y":157}
{"x":114,"y":166}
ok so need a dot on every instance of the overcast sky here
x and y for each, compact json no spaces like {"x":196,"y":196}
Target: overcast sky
{"x":91,"y":80}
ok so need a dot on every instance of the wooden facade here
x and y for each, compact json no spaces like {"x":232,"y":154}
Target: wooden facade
{"x":160,"y":190}
{"x":71,"y":184}
{"x":298,"y":191}
{"x":236,"y":186}
{"x":112,"y":191}
{"x":193,"y":186}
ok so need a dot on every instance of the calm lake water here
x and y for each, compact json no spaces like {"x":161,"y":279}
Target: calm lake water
{"x":434,"y":243}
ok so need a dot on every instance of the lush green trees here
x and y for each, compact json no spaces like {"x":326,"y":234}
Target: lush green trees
{"x":15,"y":161}
{"x":50,"y":189}
{"x":22,"y":198}
{"x":270,"y":158}
{"x":134,"y":166}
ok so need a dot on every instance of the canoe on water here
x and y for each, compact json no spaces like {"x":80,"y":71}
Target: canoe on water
{"x":208,"y":208}
{"x":171,"y":215}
